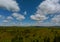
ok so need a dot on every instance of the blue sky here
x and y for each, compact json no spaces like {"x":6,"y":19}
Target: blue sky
{"x":29,"y":13}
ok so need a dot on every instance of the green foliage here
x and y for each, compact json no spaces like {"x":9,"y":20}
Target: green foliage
{"x":47,"y":39}
{"x":30,"y":34}
{"x":36,"y":40}
{"x":17,"y":39}
{"x":57,"y":39}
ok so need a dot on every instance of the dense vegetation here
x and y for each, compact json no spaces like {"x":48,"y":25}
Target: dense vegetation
{"x":29,"y":34}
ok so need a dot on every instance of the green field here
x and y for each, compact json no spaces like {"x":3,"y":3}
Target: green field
{"x":29,"y":34}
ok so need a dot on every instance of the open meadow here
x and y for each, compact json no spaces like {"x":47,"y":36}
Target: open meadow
{"x":29,"y":34}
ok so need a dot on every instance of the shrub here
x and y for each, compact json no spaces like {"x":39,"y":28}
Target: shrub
{"x":17,"y":39}
{"x":57,"y":39}
{"x":46,"y":39}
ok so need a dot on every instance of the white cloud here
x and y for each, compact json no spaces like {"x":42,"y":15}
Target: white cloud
{"x":5,"y":21}
{"x":50,"y":6}
{"x":46,"y":7}
{"x":18,"y":16}
{"x":25,"y":13}
{"x":56,"y":19}
{"x":9,"y":4}
{"x":54,"y":22}
{"x":2,"y":17}
{"x":38,"y":17}
{"x":9,"y":18}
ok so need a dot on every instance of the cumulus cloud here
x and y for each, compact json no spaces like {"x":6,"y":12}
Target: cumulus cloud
{"x":50,"y":6}
{"x":9,"y":4}
{"x":56,"y":19}
{"x":18,"y":16}
{"x":38,"y":17}
{"x":45,"y":8}
{"x":25,"y":13}
{"x":5,"y":21}
{"x":9,"y":18}
{"x":2,"y":17}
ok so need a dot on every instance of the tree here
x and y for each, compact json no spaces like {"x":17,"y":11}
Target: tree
{"x":17,"y":39}
{"x":57,"y":39}
{"x":46,"y":39}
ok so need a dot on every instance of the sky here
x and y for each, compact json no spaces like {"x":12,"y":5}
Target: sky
{"x":29,"y":12}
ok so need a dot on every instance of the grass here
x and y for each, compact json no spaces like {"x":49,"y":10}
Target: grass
{"x":29,"y":34}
